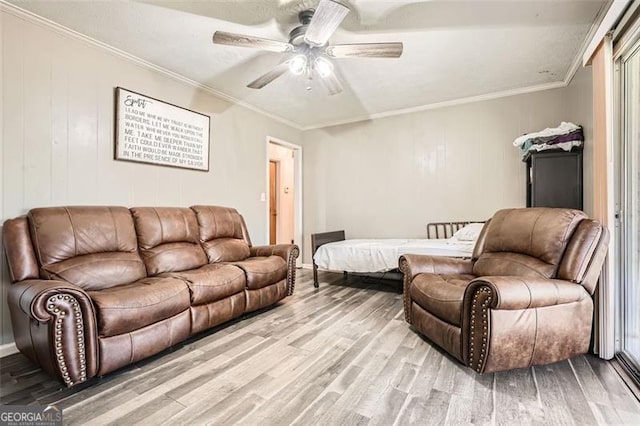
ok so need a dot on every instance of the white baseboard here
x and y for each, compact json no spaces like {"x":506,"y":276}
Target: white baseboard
{"x":8,"y":349}
{"x":306,"y":266}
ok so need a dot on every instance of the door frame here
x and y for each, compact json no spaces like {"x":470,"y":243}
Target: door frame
{"x":276,"y":177}
{"x":297,"y":177}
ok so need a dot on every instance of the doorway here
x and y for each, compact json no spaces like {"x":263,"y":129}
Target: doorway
{"x":284,"y":192}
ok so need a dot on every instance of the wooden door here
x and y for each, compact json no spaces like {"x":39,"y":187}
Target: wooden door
{"x":273,"y":201}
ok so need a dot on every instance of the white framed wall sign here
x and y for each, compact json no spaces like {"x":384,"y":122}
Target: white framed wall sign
{"x":151,"y":131}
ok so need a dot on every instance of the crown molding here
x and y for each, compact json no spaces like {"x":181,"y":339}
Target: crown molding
{"x":613,"y":12}
{"x":61,"y":29}
{"x":578,"y":58}
{"x":444,"y":104}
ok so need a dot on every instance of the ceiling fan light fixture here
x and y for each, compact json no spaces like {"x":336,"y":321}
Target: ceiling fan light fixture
{"x":323,"y":66}
{"x":298,"y":64}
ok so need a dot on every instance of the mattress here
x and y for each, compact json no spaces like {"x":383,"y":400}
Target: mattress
{"x":382,"y":255}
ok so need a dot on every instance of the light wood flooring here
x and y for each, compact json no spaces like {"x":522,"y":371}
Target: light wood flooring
{"x":340,"y":355}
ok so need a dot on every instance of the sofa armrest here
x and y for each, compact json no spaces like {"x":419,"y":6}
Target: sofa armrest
{"x":55,"y":326}
{"x":513,"y":322}
{"x":413,"y":264}
{"x":289,"y":252}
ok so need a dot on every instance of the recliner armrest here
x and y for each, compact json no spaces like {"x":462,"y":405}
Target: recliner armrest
{"x":511,"y":293}
{"x":512,"y":322}
{"x":414,"y":264}
{"x":67,"y":346}
{"x":289,"y":252}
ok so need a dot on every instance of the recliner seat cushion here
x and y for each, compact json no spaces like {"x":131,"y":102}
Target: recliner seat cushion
{"x":126,"y":308}
{"x":442,"y":295}
{"x":263,"y":271}
{"x":213,"y":282}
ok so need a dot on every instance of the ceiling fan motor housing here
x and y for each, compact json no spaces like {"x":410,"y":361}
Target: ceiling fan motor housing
{"x":296,"y":36}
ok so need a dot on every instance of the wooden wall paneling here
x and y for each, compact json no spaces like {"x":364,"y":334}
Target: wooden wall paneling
{"x":12,"y":147}
{"x":59,"y":121}
{"x":83,"y":129}
{"x":37,"y":119}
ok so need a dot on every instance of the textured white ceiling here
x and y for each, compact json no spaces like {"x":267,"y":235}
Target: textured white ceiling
{"x":452,"y":49}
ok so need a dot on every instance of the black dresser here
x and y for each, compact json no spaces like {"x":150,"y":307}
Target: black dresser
{"x":554,"y":178}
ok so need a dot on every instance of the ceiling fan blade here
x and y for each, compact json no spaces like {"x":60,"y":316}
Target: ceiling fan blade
{"x":365,"y":50}
{"x":267,"y":78}
{"x":326,"y":19}
{"x":331,"y":84}
{"x":231,"y":39}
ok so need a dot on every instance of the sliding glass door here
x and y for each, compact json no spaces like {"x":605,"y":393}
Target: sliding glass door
{"x":630,"y":197}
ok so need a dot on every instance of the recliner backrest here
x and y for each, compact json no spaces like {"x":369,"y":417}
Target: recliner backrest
{"x":585,"y":253}
{"x":527,"y":241}
{"x":223,"y":233}
{"x":168,"y":239}
{"x":91,"y":247}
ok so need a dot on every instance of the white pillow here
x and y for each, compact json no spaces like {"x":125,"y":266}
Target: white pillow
{"x":469,"y":233}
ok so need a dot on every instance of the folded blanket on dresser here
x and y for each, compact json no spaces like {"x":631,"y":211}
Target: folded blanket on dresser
{"x":565,"y":136}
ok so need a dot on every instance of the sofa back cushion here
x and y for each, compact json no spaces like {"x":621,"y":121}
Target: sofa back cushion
{"x":527,"y":242}
{"x":223,"y":233}
{"x":92,"y":247}
{"x":168,"y":239}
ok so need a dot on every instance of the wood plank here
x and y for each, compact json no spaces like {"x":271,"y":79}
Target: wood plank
{"x":431,"y":410}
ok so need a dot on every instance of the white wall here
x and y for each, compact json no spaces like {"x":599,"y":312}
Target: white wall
{"x":57,"y":136}
{"x":390,"y":177}
{"x":579,"y":110}
{"x":285,"y":227}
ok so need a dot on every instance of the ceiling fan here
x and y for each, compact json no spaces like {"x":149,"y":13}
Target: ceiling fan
{"x":308,"y":49}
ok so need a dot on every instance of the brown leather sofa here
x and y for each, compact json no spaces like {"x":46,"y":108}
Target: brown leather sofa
{"x":523,"y":299}
{"x":98,"y":288}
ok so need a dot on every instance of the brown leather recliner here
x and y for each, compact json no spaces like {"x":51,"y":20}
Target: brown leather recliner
{"x":98,"y":288}
{"x":524,"y":298}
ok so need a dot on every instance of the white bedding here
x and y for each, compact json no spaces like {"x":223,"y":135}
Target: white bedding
{"x":382,"y":255}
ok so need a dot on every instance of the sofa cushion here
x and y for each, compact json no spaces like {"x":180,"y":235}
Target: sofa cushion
{"x":129,"y":307}
{"x":93,"y":247}
{"x":168,"y":239}
{"x":223,"y":233}
{"x":442,"y":295}
{"x":212,"y":282}
{"x":263,"y":271}
{"x":226,"y":250}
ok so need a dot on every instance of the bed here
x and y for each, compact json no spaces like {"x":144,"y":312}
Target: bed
{"x":332,"y":251}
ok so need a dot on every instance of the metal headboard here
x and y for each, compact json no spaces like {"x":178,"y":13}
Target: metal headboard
{"x":440,"y":230}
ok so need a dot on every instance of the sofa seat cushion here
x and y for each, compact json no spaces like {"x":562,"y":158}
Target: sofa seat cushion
{"x":442,"y":295}
{"x":263,"y":271}
{"x":212,"y":282}
{"x":129,"y":307}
